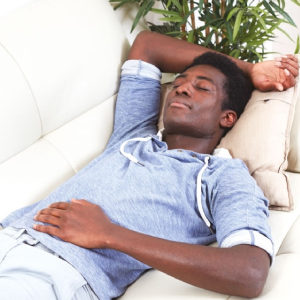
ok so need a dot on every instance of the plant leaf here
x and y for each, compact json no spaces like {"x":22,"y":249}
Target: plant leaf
{"x":237,"y":24}
{"x":262,"y":22}
{"x":149,"y":6}
{"x":258,"y":54}
{"x":297,"y":50}
{"x":229,"y":32}
{"x":285,"y":33}
{"x":139,"y":15}
{"x":121,"y":3}
{"x":275,"y":26}
{"x":191,"y":36}
{"x":232,"y":12}
{"x":185,"y":6}
{"x":172,"y":19}
{"x":235,"y":53}
{"x":296,"y":2}
{"x":258,"y":42}
{"x":283,"y":13}
{"x":177,"y":4}
{"x":282,"y":4}
{"x":200,"y":6}
{"x":269,"y":8}
{"x":165,"y":12}
{"x":184,"y":20}
{"x":208,"y":38}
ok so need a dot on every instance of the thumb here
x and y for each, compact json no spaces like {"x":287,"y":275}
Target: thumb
{"x":266,"y":86}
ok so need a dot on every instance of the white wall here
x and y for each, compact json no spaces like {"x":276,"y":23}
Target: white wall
{"x":282,"y":44}
{"x":7,"y":6}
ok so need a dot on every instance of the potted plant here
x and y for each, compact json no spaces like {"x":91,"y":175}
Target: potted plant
{"x":239,"y":28}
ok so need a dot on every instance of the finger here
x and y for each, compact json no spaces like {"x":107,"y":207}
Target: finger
{"x":293,"y":57}
{"x":80,"y":201}
{"x":60,"y":205}
{"x":47,"y":229}
{"x":289,"y":62}
{"x":49,"y":219}
{"x":290,"y":82}
{"x":293,"y":69}
{"x":290,"y":58}
{"x":50,"y":211}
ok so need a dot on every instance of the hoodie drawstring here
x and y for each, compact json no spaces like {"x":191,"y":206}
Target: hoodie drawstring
{"x":199,"y":202}
{"x":199,"y":177}
{"x":130,"y":156}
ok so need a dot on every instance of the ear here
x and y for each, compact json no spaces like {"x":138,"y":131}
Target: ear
{"x":228,"y":118}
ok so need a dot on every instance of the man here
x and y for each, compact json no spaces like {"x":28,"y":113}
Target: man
{"x":153,"y":200}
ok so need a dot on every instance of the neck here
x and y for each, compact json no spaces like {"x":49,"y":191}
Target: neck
{"x":199,"y":145}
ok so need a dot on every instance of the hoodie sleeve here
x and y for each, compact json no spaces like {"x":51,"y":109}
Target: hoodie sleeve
{"x":138,"y":101}
{"x":240,"y":210}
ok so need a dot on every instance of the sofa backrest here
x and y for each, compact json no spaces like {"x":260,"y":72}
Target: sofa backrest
{"x":60,"y":63}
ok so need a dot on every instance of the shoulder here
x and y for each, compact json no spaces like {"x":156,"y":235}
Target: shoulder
{"x":221,"y":167}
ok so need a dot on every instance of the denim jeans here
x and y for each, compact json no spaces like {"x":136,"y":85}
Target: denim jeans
{"x":31,"y":271}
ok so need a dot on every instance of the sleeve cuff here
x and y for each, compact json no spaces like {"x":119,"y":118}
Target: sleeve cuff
{"x":141,"y":68}
{"x":249,"y":237}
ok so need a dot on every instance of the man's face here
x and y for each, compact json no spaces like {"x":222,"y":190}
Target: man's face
{"x":193,"y":107}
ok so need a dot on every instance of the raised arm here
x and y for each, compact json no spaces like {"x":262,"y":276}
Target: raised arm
{"x":171,"y":55}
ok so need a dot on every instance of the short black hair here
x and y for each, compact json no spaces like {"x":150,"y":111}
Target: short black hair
{"x":238,"y":87}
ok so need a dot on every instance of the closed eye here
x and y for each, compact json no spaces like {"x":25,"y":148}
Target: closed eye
{"x":202,"y":88}
{"x":176,"y":85}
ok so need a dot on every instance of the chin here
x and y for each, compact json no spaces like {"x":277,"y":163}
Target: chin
{"x":178,"y":128}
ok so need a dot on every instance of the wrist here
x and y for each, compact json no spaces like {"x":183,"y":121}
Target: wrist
{"x":114,"y":236}
{"x":249,"y":68}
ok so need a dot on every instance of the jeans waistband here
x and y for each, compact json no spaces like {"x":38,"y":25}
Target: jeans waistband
{"x":22,"y":236}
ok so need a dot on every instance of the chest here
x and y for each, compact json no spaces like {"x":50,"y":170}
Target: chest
{"x":159,"y":196}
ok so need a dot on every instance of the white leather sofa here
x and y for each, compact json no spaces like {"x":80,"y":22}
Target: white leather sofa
{"x":59,"y":67}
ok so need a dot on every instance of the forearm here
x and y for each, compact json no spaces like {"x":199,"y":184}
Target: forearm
{"x":171,"y":55}
{"x":240,"y":270}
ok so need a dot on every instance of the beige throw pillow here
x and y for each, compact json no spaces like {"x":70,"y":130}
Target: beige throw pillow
{"x":261,"y":138}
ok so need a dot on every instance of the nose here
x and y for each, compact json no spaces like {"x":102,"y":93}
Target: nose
{"x":184,"y":89}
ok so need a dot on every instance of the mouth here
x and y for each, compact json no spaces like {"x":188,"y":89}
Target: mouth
{"x":179,"y":103}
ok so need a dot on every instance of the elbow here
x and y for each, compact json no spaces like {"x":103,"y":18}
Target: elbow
{"x":147,"y":47}
{"x":141,"y":45}
{"x":252,"y":271}
{"x":253,"y":282}
{"x":142,"y":37}
{"x":254,"y":290}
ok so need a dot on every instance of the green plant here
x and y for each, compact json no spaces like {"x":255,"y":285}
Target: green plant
{"x":238,"y":28}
